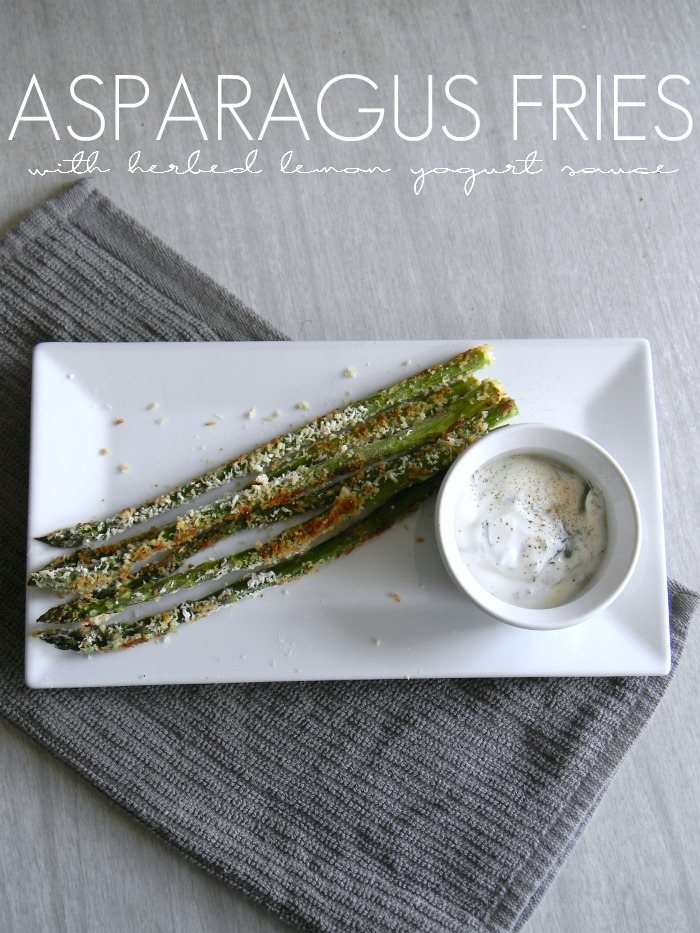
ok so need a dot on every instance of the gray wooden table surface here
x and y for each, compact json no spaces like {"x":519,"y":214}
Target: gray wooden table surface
{"x":361,"y":256}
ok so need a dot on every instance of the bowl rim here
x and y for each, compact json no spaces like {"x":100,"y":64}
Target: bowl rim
{"x":577,"y":451}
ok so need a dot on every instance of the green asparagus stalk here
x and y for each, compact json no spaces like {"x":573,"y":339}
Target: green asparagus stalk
{"x":262,"y":458}
{"x":91,"y":638}
{"x":268,"y":494}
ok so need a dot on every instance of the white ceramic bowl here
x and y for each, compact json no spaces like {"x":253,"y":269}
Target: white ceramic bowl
{"x":584,"y":457}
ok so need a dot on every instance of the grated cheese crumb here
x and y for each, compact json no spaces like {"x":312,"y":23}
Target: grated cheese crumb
{"x":104,"y":451}
{"x":304,"y":406}
{"x":250,"y":414}
{"x":259,"y":579}
{"x":350,"y":372}
{"x":123,"y":467}
{"x":152,"y":406}
{"x":396,"y":597}
{"x":377,"y":641}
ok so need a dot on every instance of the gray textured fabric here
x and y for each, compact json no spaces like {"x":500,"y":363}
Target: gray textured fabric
{"x":416,"y":806}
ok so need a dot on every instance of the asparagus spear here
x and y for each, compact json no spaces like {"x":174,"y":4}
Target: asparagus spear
{"x":91,"y":638}
{"x":263,"y":457}
{"x":265,"y":493}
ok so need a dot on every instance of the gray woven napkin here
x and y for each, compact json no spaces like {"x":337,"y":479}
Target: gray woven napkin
{"x":404,"y":806}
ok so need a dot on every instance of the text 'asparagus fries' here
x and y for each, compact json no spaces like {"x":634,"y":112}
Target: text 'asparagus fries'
{"x":346,"y":476}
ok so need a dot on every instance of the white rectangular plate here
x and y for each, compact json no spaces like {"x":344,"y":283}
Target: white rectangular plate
{"x":344,"y":622}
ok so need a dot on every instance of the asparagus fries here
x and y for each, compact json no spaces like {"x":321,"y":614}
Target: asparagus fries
{"x":367,"y":464}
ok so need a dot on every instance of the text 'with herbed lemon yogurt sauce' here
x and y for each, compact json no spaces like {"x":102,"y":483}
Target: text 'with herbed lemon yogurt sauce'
{"x":531,"y":531}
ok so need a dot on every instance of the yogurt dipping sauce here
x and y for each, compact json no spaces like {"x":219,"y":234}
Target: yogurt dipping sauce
{"x":531,"y":531}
